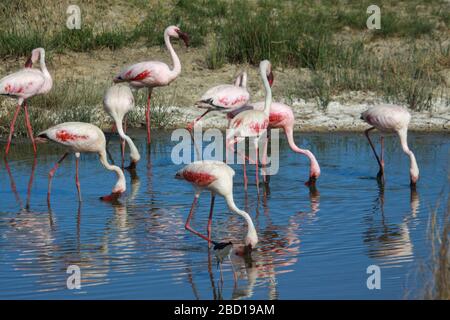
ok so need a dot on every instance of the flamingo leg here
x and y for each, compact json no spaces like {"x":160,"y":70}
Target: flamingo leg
{"x":52,"y":173}
{"x":266,"y":178}
{"x":148,"y":115}
{"x":373,"y":147}
{"x":28,"y":124}
{"x":188,"y":227}
{"x":244,"y":168}
{"x":11,"y":128}
{"x":190,"y":128}
{"x":77,"y":180}
{"x":213,"y":196}
{"x":256,"y":164}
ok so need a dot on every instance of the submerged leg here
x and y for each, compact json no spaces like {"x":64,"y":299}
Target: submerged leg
{"x":11,"y":128}
{"x":52,"y":173}
{"x":187,"y":226}
{"x":148,"y":115}
{"x":211,"y":209}
{"x":28,"y":124}
{"x":77,"y":180}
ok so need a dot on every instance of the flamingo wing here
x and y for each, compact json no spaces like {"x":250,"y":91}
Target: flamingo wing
{"x":24,"y":83}
{"x":225,"y":97}
{"x":150,"y":73}
{"x":79,"y":136}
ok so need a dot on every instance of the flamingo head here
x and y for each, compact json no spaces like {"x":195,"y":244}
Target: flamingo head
{"x":113,"y":197}
{"x":35,"y":55}
{"x":175,"y":32}
{"x":414,"y":177}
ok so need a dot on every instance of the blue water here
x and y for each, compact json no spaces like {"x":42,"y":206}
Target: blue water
{"x":313,"y":244}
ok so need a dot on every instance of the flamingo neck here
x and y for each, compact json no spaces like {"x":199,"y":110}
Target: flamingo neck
{"x":314,"y":168}
{"x":134,"y":152}
{"x":120,"y":186}
{"x":413,"y":168}
{"x":268,"y":100}
{"x":252,"y":237}
{"x":241,"y":80}
{"x":48,"y":78}
{"x":175,"y":60}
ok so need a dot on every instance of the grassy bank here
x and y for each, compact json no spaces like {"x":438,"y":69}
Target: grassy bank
{"x":407,"y":61}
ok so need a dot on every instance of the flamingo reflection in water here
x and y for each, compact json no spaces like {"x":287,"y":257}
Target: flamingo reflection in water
{"x":14,"y":187}
{"x":387,"y":241}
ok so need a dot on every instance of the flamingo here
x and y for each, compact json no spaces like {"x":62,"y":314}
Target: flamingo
{"x":388,"y":119}
{"x":281,"y":116}
{"x":152,"y":74}
{"x":223,"y":98}
{"x":118,"y":101}
{"x":23,"y":85}
{"x":253,"y":123}
{"x":80,"y":137}
{"x":217,"y":177}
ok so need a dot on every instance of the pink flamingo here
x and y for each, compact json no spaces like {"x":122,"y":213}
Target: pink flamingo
{"x":118,"y":101}
{"x":252,"y":123}
{"x":223,"y":98}
{"x":23,"y":85}
{"x":152,"y":74}
{"x":281,"y":116}
{"x":80,"y":137}
{"x":217,"y":177}
{"x":391,"y":119}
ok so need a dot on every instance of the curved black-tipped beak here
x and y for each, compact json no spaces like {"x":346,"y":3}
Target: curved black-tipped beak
{"x":270,"y":78}
{"x":184,"y":36}
{"x":29,"y":63}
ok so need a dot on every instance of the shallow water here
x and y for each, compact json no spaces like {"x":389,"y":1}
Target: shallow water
{"x":313,"y":244}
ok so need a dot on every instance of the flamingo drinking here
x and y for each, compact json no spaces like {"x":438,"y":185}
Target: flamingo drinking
{"x":23,"y":85}
{"x":118,"y":101}
{"x":281,"y":116}
{"x":82,"y":137}
{"x":217,"y":177}
{"x":152,"y":74}
{"x":391,"y":119}
{"x":252,"y":123}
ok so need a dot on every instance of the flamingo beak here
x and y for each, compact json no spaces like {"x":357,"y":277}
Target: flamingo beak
{"x":270,"y":78}
{"x":311,"y":182}
{"x":113,"y":197}
{"x":29,"y":63}
{"x":184,"y":36}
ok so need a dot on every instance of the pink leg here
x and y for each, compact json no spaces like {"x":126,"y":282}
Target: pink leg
{"x":266,"y":178}
{"x":11,"y":129}
{"x":52,"y":173}
{"x":148,"y":115}
{"x":210,"y":216}
{"x":381,"y":173}
{"x":77,"y":180}
{"x":187,"y":226}
{"x":28,"y":123}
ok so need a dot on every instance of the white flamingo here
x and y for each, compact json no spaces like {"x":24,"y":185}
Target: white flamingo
{"x":118,"y":101}
{"x":151,"y":74}
{"x":391,"y":119}
{"x":23,"y":85}
{"x":80,"y":137}
{"x":217,"y":177}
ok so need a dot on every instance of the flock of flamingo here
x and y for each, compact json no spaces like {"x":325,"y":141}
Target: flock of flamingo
{"x":252,"y":120}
